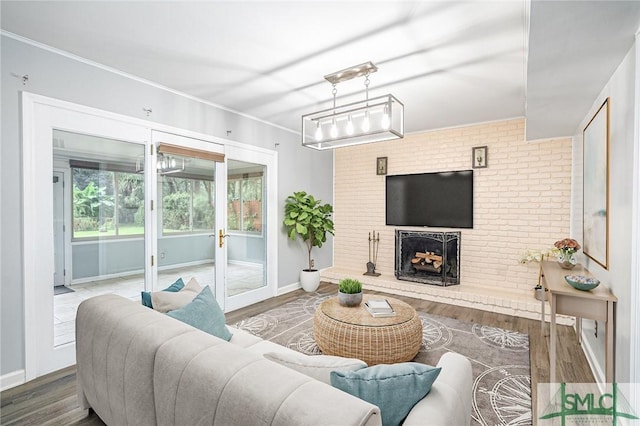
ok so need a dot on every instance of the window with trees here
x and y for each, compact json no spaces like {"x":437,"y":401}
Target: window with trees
{"x":107,"y":202}
{"x":187,"y":205}
{"x":244,"y":197}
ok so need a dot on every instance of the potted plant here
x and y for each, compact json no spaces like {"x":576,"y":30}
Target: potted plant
{"x":349,"y":292}
{"x":567,"y":249}
{"x":308,"y":218}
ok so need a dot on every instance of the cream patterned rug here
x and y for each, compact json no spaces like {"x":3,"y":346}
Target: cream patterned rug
{"x":500,"y":358}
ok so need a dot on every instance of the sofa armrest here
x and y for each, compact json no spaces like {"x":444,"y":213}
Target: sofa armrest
{"x":449,"y":402}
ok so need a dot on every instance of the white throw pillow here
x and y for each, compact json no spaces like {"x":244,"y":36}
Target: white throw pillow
{"x":318,"y":367}
{"x":165,"y":301}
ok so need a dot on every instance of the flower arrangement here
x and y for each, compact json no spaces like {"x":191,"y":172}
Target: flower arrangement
{"x":536,"y":255}
{"x":567,"y":249}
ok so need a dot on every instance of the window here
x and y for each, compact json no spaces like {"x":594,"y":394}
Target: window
{"x":106,"y":203}
{"x":244,"y":197}
{"x":187,"y":205}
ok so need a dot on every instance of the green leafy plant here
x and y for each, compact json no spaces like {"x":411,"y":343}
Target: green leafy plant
{"x":308,"y":218}
{"x":350,"y":286}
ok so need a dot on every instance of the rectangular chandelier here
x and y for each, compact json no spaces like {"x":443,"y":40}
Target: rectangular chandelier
{"x":374,"y":120}
{"x":370,"y":120}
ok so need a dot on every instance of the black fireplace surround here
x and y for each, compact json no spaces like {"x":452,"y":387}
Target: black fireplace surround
{"x":428,"y":257}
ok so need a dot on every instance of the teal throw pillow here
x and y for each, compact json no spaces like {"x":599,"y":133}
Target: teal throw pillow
{"x":204,"y":313}
{"x":394,"y":388}
{"x":173,"y":288}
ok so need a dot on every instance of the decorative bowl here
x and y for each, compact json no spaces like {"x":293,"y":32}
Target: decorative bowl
{"x":582,"y":282}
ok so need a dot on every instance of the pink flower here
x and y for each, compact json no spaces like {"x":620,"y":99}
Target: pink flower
{"x":567,"y":244}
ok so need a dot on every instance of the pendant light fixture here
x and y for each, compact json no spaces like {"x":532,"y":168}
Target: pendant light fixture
{"x":370,"y":120}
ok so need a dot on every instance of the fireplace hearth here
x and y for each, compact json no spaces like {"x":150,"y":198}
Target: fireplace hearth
{"x":428,"y":257}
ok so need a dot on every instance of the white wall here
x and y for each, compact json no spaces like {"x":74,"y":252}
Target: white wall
{"x":63,"y":77}
{"x":620,"y":90}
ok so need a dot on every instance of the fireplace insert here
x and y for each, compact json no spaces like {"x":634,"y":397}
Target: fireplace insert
{"x":428,"y":257}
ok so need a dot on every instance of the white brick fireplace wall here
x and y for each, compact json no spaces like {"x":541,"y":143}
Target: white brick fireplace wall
{"x":522,"y":200}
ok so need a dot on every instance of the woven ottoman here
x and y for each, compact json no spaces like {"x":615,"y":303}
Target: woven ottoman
{"x":354,"y":333}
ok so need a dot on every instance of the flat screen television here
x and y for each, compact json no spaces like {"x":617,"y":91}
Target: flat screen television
{"x":442,"y":199}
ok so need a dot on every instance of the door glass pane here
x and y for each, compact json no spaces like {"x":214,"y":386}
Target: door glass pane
{"x":99,"y":239}
{"x":186,"y":220}
{"x":246,"y":245}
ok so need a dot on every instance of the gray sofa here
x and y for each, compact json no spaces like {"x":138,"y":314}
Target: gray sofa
{"x":136,"y":366}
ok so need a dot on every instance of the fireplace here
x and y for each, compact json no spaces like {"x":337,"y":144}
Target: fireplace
{"x":428,"y":257}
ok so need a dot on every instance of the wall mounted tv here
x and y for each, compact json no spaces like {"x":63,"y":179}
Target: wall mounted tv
{"x":430,"y":199}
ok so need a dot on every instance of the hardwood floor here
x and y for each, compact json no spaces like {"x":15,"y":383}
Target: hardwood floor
{"x":51,"y":399}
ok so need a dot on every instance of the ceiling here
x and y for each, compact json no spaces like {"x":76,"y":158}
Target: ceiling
{"x":451,"y":63}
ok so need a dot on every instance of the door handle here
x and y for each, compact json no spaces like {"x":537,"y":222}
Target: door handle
{"x":221,"y":237}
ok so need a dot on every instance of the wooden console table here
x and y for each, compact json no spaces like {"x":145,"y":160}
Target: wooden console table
{"x":597,"y":304}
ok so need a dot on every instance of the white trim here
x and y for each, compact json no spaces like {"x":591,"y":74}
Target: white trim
{"x":634,"y":320}
{"x":545,"y":140}
{"x":137,"y":79}
{"x":461,"y":126}
{"x":295,"y":286}
{"x":596,"y":368}
{"x":289,"y":288}
{"x":11,"y":380}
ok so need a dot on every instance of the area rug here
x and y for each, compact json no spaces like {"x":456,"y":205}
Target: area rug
{"x":499,"y":358}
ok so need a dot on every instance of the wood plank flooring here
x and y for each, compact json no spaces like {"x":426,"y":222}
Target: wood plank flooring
{"x":51,"y":399}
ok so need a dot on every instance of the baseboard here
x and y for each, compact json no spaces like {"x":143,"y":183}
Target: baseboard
{"x":11,"y":380}
{"x":288,"y":288}
{"x":596,"y":368}
{"x":295,"y":286}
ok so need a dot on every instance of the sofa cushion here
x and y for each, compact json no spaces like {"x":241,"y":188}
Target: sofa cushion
{"x":165,"y":301}
{"x":145,"y":296}
{"x":204,"y":313}
{"x":318,"y":367}
{"x":394,"y":388}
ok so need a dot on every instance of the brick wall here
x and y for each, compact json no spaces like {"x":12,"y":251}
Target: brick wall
{"x":521,"y":200}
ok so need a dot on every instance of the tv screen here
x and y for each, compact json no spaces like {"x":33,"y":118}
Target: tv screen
{"x":431,"y":199}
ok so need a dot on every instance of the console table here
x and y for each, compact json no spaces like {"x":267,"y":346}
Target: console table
{"x":597,"y":304}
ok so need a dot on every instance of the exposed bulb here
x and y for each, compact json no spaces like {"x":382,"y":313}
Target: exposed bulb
{"x":334,"y":130}
{"x":349,"y":126}
{"x":386,"y":122}
{"x":366,"y":124}
{"x":318,"y":132}
{"x":173,"y":163}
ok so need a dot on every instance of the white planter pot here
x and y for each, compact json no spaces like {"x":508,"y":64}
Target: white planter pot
{"x":310,"y":280}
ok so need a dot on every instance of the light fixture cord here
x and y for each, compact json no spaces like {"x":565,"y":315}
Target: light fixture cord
{"x":366,"y":87}
{"x":334,"y":92}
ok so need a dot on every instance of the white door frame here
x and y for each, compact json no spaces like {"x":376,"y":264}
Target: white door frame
{"x":40,"y":114}
{"x":220,"y":196}
{"x":270,"y":160}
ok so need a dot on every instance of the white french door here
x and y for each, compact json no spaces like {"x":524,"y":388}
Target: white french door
{"x":59,"y":132}
{"x":189,"y":213}
{"x":135,"y":217}
{"x":251,"y":226}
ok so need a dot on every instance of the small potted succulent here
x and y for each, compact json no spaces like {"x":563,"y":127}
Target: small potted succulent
{"x":349,"y":292}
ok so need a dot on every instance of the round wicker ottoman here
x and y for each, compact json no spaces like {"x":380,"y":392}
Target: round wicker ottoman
{"x":354,"y":333}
